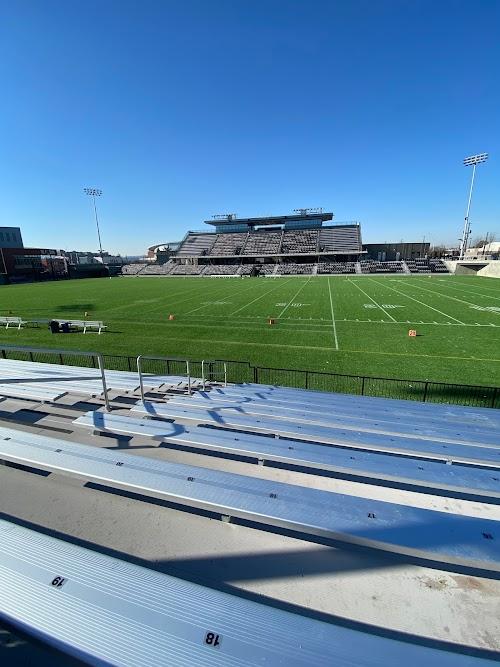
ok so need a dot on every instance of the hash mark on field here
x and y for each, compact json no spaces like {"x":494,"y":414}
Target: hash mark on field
{"x":420,"y":302}
{"x":333,"y":317}
{"x":373,"y":300}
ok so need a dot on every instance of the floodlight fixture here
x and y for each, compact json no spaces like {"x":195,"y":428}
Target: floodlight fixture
{"x":471,"y":161}
{"x":224,"y":216}
{"x":95,"y":192}
{"x":475,"y":159}
{"x":307,"y":211}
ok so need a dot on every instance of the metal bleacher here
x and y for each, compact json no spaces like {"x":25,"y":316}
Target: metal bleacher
{"x":245,"y":524}
{"x":317,"y":513}
{"x":106,"y":612}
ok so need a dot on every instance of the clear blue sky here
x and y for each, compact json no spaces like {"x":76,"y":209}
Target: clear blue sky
{"x":181,"y":109}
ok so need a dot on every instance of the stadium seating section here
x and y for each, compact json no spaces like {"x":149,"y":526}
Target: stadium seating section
{"x":196,"y":245}
{"x":221,"y":270}
{"x":371,"y":266}
{"x":228,"y":244}
{"x":300,"y":241}
{"x":291,"y":268}
{"x":263,"y":243}
{"x":337,"y":267}
{"x":426,"y":266}
{"x":187,"y":270}
{"x":343,"y":240}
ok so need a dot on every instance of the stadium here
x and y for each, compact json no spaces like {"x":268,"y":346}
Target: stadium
{"x":262,"y":438}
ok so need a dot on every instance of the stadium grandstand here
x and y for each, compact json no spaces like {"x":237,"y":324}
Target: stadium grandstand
{"x":308,"y":242}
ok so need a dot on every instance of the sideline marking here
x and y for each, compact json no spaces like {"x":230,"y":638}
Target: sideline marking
{"x":373,"y":300}
{"x":332,"y":349}
{"x":420,"y":302}
{"x":333,"y":318}
{"x":259,"y":297}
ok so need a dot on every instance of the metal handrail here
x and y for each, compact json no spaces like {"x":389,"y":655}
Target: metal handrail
{"x":205,"y":361}
{"x":50,"y":350}
{"x":145,"y":356}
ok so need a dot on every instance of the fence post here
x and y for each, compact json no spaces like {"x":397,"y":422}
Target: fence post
{"x":494,"y":397}
{"x":31,"y":356}
{"x":363,"y":386}
{"x":255,"y":375}
{"x":129,"y":364}
{"x":307,"y":379}
{"x":61,"y":360}
{"x":426,"y":387}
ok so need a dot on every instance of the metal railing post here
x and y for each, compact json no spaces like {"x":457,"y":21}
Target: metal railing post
{"x":225,"y":374}
{"x":203,"y":373}
{"x":189,"y":377}
{"x":141,"y":384}
{"x":100,"y":361}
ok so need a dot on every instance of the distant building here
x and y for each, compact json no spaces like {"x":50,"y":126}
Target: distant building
{"x":10,"y":237}
{"x":389,"y":252}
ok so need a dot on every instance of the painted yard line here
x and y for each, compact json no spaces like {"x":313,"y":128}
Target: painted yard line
{"x":421,"y":302}
{"x":458,"y":279}
{"x":281,"y":284}
{"x":293,"y":297}
{"x":215,"y":294}
{"x":373,"y":300}
{"x":468,"y":291}
{"x":331,"y":349}
{"x":333,"y":317}
{"x":454,"y":298}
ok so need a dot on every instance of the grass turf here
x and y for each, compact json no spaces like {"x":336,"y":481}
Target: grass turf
{"x":342,"y":324}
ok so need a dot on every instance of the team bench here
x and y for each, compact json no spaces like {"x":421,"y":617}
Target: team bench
{"x":17,"y":322}
{"x":85,"y":325}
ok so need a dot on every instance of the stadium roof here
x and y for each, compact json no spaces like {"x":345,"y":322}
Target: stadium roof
{"x":270,"y":220}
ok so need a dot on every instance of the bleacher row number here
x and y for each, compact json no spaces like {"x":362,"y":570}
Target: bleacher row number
{"x":212,"y":639}
{"x":58,"y":582}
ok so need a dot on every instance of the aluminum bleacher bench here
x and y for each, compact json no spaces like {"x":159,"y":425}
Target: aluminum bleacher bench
{"x":38,"y":394}
{"x":104,"y":611}
{"x":330,"y":399}
{"x":365,"y":407}
{"x":345,"y":431}
{"x":355,"y":419}
{"x":373,"y":467}
{"x":422,"y":533}
{"x":10,"y":322}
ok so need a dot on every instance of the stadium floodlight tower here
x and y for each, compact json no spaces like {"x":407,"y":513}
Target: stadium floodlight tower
{"x":95,"y":192}
{"x":471,"y":161}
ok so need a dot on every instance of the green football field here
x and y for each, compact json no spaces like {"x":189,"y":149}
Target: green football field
{"x":344,"y":324}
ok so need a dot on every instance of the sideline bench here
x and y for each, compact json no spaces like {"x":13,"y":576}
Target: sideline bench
{"x":17,"y":322}
{"x":85,"y":325}
{"x":372,"y":467}
{"x":400,"y":529}
{"x":106,"y":611}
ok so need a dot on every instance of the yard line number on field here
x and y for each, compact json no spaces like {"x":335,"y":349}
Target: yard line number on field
{"x":373,"y":300}
{"x":417,"y":301}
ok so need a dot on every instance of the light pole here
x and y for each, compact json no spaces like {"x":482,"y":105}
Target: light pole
{"x":473,"y":161}
{"x":95,"y":192}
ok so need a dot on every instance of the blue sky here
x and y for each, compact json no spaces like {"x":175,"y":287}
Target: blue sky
{"x":182,"y":109}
